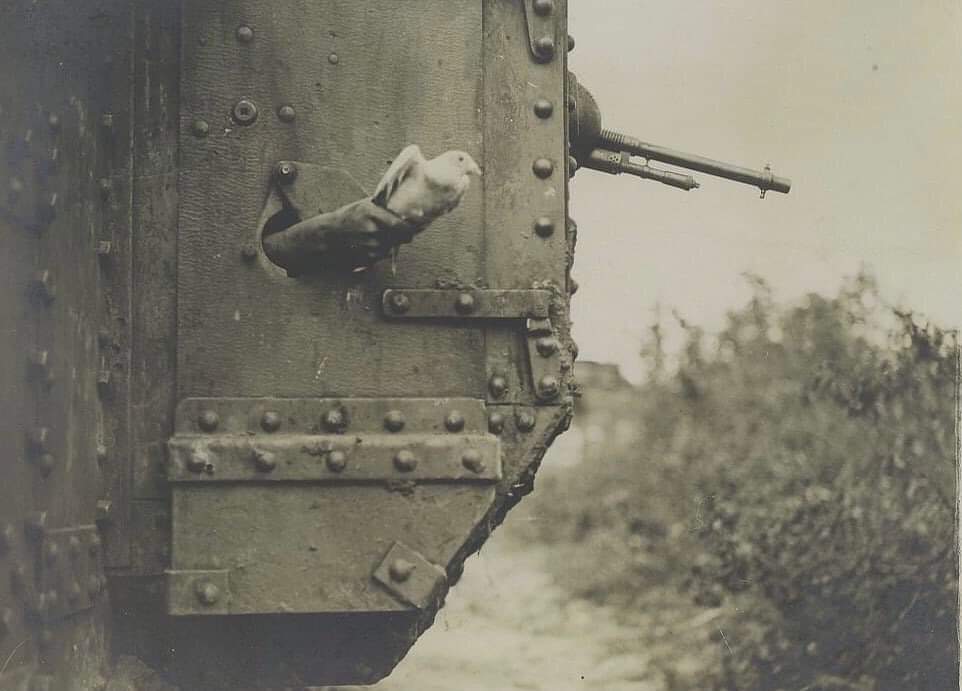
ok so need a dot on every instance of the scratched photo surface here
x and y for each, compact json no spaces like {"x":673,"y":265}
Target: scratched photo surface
{"x":758,"y":490}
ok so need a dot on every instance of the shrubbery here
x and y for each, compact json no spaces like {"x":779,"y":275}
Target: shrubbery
{"x":798,"y":471}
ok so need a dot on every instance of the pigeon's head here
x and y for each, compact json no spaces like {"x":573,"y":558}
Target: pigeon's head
{"x":461,"y":162}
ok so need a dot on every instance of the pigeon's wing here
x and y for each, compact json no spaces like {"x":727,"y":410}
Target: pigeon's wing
{"x":409,"y":158}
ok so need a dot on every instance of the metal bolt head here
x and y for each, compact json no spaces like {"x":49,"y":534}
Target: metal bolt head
{"x":336,"y":461}
{"x":248,"y":253}
{"x":543,"y":108}
{"x":245,"y":34}
{"x":543,"y":7}
{"x":38,"y":441}
{"x":94,"y":547}
{"x":498,"y":386}
{"x":464,"y":304}
{"x":45,"y":464}
{"x":454,"y":421}
{"x":53,"y":599}
{"x":525,"y":421}
{"x":18,"y":578}
{"x":544,"y":227}
{"x":270,"y":421}
{"x":548,"y":387}
{"x":547,"y":346}
{"x":53,"y":120}
{"x":8,"y":535}
{"x":473,"y":461}
{"x":400,"y":570}
{"x":496,"y":423}
{"x":43,"y":286}
{"x":572,"y":286}
{"x":286,"y":113}
{"x":571,"y":43}
{"x":335,"y":420}
{"x":199,"y":127}
{"x":333,"y":59}
{"x":244,"y":112}
{"x":207,"y":593}
{"x":544,"y":47}
{"x":74,"y":546}
{"x":198,"y":460}
{"x":74,"y":592}
{"x":264,"y":461}
{"x":400,"y":303}
{"x":51,"y":552}
{"x":35,"y":524}
{"x":286,"y":172}
{"x":572,"y":166}
{"x":543,"y":168}
{"x":394,"y":421}
{"x":105,"y":508}
{"x":208,"y":420}
{"x":405,"y":461}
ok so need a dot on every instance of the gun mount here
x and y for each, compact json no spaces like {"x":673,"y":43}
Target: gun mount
{"x":608,"y":151}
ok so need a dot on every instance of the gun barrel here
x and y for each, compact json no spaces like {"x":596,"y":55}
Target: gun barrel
{"x":764,"y":180}
{"x":614,"y":162}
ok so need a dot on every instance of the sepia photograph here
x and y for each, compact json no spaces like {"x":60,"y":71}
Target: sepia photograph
{"x":480,"y":345}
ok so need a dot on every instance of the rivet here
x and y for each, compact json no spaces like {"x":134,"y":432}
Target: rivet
{"x":38,"y":440}
{"x":94,"y":585}
{"x":264,"y":461}
{"x":104,"y":509}
{"x":543,"y":168}
{"x":544,"y":47}
{"x":394,"y":421}
{"x":52,"y":552}
{"x":44,"y":641}
{"x":53,"y":120}
{"x":334,"y":420}
{"x":525,"y":421}
{"x":45,"y":464}
{"x":286,"y":172}
{"x":207,"y":593}
{"x":248,"y":253}
{"x":107,"y":120}
{"x":35,"y":524}
{"x":454,"y":421}
{"x":286,"y":113}
{"x":208,"y":420}
{"x":496,"y":423}
{"x":473,"y":461}
{"x":199,"y":127}
{"x":94,"y":547}
{"x":572,"y":166}
{"x":18,"y":578}
{"x":572,"y":286}
{"x":15,"y":188}
{"x":103,"y":249}
{"x":198,"y":460}
{"x":103,"y":382}
{"x":7,"y":536}
{"x":400,"y":303}
{"x":101,"y":455}
{"x":400,"y":570}
{"x":333,"y":59}
{"x":74,"y":546}
{"x":544,"y":227}
{"x":405,"y":461}
{"x":74,"y":592}
{"x":245,"y":34}
{"x":546,"y":346}
{"x":7,"y":618}
{"x":270,"y":421}
{"x":572,"y":103}
{"x":543,"y":7}
{"x":43,"y":286}
{"x":336,"y":461}
{"x":498,"y":386}
{"x":38,"y":366}
{"x":105,"y":185}
{"x":464,"y":304}
{"x":53,"y":599}
{"x":47,"y":211}
{"x":543,"y":108}
{"x":571,"y":43}
{"x":244,"y":112}
{"x":548,"y":387}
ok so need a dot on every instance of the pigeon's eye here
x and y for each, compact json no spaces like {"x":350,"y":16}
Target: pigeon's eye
{"x":461,"y":158}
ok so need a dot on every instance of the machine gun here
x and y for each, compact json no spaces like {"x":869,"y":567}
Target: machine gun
{"x":601,"y":149}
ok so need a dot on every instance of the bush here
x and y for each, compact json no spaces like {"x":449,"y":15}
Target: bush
{"x":818,"y":442}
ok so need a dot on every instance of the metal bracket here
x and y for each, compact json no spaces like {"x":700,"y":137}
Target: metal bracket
{"x":540,"y":16}
{"x":409,"y":576}
{"x":544,"y":358}
{"x":466,"y":303}
{"x":335,"y":458}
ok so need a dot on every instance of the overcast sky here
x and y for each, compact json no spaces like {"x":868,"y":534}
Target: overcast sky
{"x":858,"y":101}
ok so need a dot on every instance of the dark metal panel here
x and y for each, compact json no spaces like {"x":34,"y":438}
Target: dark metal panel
{"x":359,"y":94}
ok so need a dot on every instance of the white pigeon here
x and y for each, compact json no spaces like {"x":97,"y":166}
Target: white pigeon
{"x":419,"y":190}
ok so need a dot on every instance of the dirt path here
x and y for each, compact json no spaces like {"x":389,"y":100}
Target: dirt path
{"x":508,"y":627}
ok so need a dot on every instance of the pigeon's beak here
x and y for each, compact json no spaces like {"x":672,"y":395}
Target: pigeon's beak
{"x":476,"y":169}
